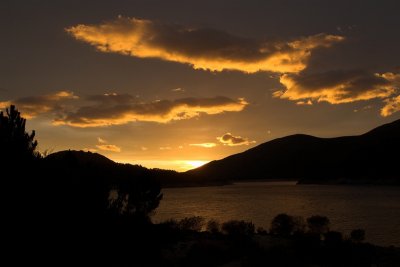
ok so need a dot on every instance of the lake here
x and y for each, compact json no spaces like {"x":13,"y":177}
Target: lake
{"x":373,"y":208}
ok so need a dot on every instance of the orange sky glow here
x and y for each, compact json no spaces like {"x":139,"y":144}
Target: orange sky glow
{"x":172,"y":85}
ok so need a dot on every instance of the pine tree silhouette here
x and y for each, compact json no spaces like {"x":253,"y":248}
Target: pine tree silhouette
{"x":16,"y":144}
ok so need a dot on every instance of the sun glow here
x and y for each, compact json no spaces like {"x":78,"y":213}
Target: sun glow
{"x":196,"y":163}
{"x":177,"y":165}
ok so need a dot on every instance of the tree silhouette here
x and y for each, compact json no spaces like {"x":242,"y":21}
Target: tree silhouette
{"x":238,"y":228}
{"x":357,"y":235}
{"x":318,"y":224}
{"x":285,"y":225}
{"x":213,"y":226}
{"x":15,"y":143}
{"x":17,"y":168}
{"x":133,"y":197}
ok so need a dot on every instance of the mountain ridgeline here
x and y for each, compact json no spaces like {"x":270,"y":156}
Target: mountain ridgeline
{"x":370,"y":158}
{"x":81,"y":165}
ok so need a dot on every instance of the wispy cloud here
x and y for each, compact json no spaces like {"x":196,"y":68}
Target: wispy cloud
{"x":113,"y":109}
{"x":101,"y":140}
{"x":165,"y":148}
{"x":32,"y":106}
{"x":108,"y":147}
{"x":104,"y":146}
{"x":205,"y":145}
{"x":231,"y":140}
{"x":202,"y":48}
{"x":179,"y":89}
{"x":337,"y":87}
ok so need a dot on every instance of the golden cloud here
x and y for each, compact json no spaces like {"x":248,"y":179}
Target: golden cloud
{"x":112,"y":109}
{"x":231,"y":140}
{"x":101,"y":140}
{"x":5,"y":104}
{"x":205,"y":145}
{"x":201,"y":48}
{"x":32,"y":106}
{"x":104,"y":146}
{"x":107,"y":147}
{"x":392,"y":106}
{"x":337,"y":87}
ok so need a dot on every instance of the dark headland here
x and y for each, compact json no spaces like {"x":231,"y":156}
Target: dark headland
{"x":370,"y":158}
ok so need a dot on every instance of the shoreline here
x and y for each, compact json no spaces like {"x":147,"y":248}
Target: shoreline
{"x":339,"y":182}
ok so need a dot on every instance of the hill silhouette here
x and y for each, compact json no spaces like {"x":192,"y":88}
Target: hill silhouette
{"x":367,"y":158}
{"x":82,"y":157}
{"x":87,"y":164}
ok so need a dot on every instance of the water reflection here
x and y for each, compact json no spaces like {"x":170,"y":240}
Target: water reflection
{"x":375,"y":209}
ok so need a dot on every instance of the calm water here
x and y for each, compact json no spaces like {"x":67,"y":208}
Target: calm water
{"x":375,"y":209}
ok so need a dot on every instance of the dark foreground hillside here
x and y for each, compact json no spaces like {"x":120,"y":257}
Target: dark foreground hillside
{"x":122,"y":242}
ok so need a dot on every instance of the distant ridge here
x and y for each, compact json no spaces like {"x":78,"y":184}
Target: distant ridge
{"x":82,"y":157}
{"x":368,"y":158}
{"x":84,"y":165}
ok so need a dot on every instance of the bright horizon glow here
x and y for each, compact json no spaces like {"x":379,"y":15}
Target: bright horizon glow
{"x":196,"y":163}
{"x":176,"y":165}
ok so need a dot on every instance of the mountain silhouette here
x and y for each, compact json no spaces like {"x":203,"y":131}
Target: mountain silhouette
{"x":81,"y":165}
{"x":81,"y":157}
{"x":367,"y":158}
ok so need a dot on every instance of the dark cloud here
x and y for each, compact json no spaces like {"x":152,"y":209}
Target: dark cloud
{"x":32,"y":106}
{"x":111,"y":98}
{"x":111,"y":109}
{"x":203,"y":48}
{"x":115,"y":109}
{"x":231,"y":140}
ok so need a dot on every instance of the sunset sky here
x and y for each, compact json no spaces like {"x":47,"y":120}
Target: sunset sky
{"x":175,"y":84}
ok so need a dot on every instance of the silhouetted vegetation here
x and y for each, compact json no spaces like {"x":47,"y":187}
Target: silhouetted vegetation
{"x":237,"y":244}
{"x":357,"y":235}
{"x":286,"y":225}
{"x":17,"y":145}
{"x":213,"y":226}
{"x":238,"y":228}
{"x":72,"y":196}
{"x":318,"y":224}
{"x":194,"y":223}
